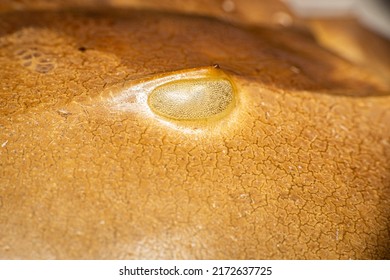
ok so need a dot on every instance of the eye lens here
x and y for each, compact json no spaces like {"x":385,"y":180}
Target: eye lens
{"x":192,"y":99}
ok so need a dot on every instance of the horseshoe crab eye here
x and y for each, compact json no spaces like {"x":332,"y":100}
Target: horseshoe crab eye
{"x":192,"y":99}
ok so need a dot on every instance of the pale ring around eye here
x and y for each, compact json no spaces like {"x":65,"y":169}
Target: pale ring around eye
{"x":190,"y":97}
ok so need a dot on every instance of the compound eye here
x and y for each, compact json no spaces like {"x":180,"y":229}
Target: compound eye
{"x":192,"y":99}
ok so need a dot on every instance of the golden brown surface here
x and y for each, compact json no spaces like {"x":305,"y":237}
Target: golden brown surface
{"x":300,"y":168}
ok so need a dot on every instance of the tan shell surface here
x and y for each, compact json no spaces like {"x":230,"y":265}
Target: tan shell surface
{"x":298,"y":169}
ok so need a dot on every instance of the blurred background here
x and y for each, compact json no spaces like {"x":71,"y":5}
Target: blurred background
{"x":374,"y":14}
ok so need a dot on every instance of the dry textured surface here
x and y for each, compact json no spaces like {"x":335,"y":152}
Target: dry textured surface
{"x":300,"y":169}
